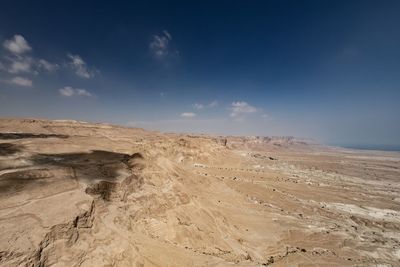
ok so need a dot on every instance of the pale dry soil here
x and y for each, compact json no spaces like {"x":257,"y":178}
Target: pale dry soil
{"x":81,"y":194}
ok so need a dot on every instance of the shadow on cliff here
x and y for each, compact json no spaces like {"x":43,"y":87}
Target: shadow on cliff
{"x":7,"y":149}
{"x":90,"y":166}
{"x":93,"y":165}
{"x":12,"y":136}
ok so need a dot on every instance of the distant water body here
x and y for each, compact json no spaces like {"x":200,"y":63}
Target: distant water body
{"x":373,"y":147}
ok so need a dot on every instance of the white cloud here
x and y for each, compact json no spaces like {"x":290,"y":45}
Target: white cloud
{"x":241,"y":108}
{"x":20,"y":64}
{"x":20,"y":81}
{"x":198,"y":106}
{"x":68,"y":91}
{"x":17,"y":61}
{"x":26,"y":64}
{"x":188,"y":115}
{"x":80,"y":67}
{"x":159,"y":44}
{"x":17,"y":45}
{"x":44,"y":64}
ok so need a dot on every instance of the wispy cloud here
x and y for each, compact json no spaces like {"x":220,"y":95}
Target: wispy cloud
{"x":213,"y":104}
{"x":20,"y":81}
{"x":80,"y":67}
{"x":17,"y":45}
{"x":265,"y":116}
{"x":44,"y":64}
{"x":160,"y":45}
{"x":198,"y":106}
{"x":240,"y":108}
{"x":68,"y":91}
{"x":188,"y":115}
{"x":166,"y":33}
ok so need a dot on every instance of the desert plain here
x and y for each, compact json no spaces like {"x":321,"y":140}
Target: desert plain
{"x":91,"y":194}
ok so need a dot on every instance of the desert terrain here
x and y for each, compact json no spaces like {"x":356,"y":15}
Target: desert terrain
{"x":86,"y":194}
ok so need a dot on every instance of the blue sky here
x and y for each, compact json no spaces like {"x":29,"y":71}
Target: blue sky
{"x":328,"y":70}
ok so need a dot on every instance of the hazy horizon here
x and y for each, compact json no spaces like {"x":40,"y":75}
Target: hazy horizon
{"x":322,"y":70}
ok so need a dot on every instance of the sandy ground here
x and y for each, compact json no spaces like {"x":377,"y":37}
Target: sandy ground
{"x":80,"y":194}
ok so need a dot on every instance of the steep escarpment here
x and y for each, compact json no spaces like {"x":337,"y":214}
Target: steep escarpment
{"x":65,"y":235}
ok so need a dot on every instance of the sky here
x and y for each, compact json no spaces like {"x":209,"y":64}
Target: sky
{"x":327,"y":70}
